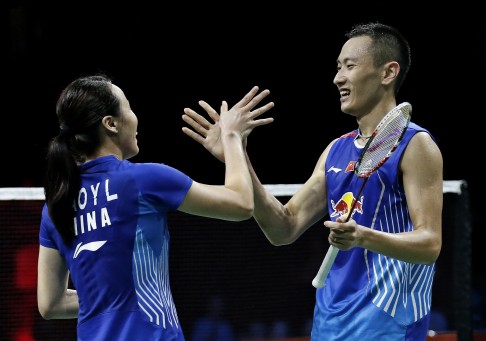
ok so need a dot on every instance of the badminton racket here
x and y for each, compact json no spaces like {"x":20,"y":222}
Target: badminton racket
{"x":382,"y":143}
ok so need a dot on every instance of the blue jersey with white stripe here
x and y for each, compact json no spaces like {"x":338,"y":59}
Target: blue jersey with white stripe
{"x":368,"y":295}
{"x":118,"y":261}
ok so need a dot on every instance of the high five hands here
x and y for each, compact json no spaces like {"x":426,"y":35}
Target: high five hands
{"x":243,"y":115}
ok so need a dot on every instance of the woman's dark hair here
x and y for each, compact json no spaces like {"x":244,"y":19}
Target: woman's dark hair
{"x":80,"y":109}
{"x":388,"y":44}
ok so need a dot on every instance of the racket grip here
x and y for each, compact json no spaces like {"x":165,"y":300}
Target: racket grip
{"x":320,"y":279}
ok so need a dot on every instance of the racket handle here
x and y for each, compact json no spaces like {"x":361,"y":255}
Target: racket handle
{"x":320,"y":279}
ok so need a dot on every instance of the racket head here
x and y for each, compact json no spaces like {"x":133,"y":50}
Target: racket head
{"x":384,"y":140}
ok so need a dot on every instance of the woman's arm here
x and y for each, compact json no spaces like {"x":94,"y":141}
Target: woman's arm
{"x":54,"y":299}
{"x":234,"y":200}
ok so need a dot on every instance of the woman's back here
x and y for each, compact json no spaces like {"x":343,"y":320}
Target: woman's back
{"x":119,"y":259}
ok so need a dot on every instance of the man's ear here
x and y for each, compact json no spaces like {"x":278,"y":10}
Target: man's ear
{"x":390,"y":72}
{"x":109,"y":123}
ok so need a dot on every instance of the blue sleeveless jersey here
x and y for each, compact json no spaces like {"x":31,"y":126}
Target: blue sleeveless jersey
{"x":368,"y":296}
{"x":118,"y":261}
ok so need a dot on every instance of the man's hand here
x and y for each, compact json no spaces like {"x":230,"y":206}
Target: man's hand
{"x":209,"y":134}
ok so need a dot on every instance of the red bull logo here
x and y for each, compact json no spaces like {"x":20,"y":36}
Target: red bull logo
{"x":343,"y":205}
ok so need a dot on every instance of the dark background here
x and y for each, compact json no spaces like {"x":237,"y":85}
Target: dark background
{"x":168,"y":56}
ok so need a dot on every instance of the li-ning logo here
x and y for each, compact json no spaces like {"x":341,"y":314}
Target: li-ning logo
{"x":93,"y":246}
{"x":334,"y":169}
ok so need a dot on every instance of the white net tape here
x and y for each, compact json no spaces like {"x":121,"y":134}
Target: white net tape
{"x":37,"y":193}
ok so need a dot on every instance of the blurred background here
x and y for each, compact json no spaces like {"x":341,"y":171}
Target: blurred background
{"x":168,"y":56}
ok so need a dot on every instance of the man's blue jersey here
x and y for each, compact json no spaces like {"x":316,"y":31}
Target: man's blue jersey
{"x":369,"y":296}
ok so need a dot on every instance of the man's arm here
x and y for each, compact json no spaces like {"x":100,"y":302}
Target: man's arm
{"x":281,"y":224}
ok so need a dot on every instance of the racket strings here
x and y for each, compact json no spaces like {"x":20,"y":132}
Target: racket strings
{"x":384,"y":141}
